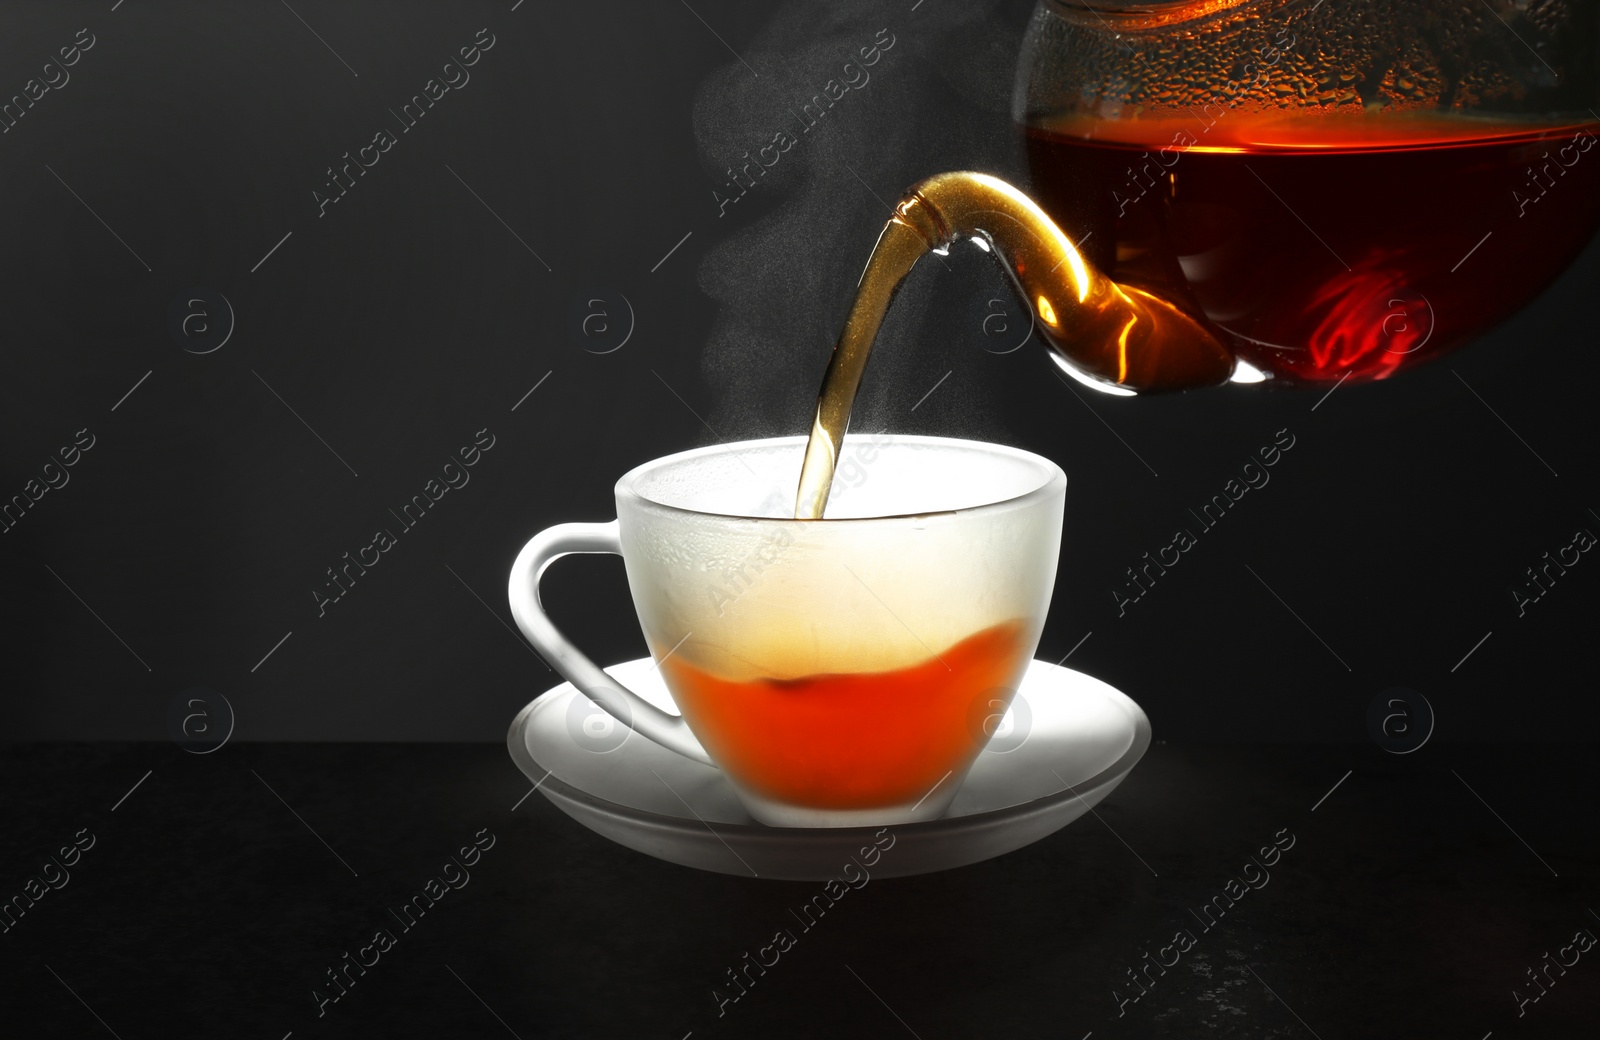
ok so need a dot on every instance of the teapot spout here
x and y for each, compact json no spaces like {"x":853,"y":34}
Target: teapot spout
{"x":1111,"y":334}
{"x":1115,"y":336}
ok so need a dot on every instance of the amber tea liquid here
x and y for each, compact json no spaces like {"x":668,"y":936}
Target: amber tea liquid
{"x":1325,"y":251}
{"x":852,"y":740}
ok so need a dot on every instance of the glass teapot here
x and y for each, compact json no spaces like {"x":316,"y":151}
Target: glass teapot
{"x":1301,"y":191}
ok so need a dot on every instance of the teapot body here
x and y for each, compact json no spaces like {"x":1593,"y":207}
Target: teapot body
{"x":1339,"y":190}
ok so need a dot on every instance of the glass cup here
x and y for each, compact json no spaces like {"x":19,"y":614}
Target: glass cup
{"x":840,"y":672}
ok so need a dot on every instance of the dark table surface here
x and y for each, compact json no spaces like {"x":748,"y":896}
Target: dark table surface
{"x":216,"y":897}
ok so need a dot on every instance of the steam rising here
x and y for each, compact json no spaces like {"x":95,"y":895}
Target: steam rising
{"x":854,"y":102}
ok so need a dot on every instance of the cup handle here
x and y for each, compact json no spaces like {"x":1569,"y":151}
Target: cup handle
{"x":621,"y":703}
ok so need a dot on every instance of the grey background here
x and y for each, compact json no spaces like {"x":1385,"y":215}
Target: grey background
{"x":427,"y":302}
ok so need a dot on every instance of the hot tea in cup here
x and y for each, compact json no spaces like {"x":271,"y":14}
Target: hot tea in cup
{"x":840,"y":671}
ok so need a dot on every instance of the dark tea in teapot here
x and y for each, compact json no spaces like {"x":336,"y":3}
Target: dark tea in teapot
{"x":1325,"y":251}
{"x":1263,"y":190}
